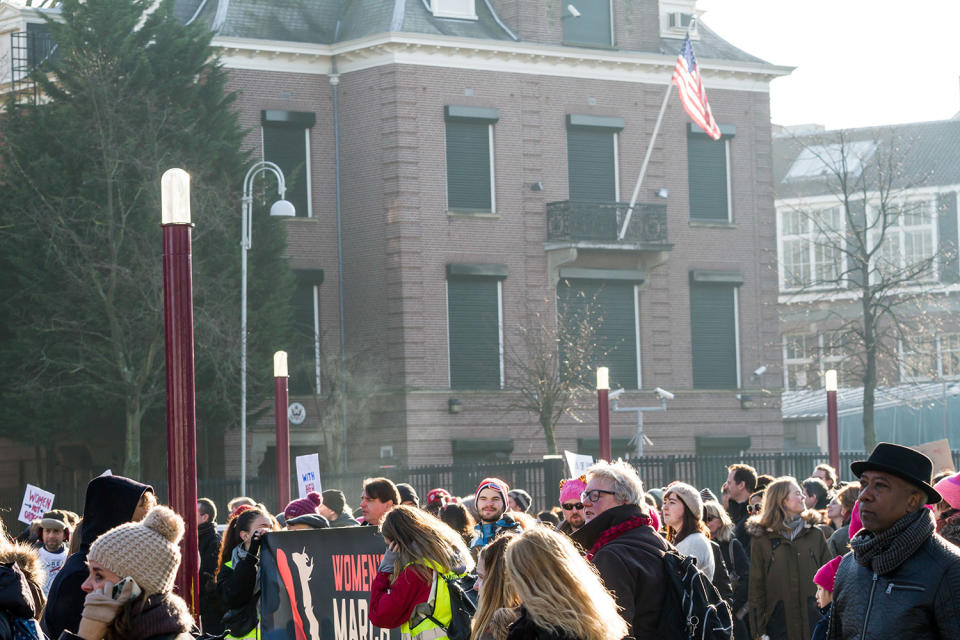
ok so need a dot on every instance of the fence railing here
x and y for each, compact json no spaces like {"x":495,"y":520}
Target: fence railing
{"x":540,"y":478}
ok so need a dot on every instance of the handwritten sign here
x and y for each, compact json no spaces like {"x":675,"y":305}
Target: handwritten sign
{"x":308,"y":474}
{"x":939,"y":452}
{"x":36,"y":502}
{"x":577,"y":463}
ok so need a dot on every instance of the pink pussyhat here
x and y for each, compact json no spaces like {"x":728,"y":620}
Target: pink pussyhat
{"x":855,"y":523}
{"x":949,"y":488}
{"x":571,"y":489}
{"x":827,"y":574}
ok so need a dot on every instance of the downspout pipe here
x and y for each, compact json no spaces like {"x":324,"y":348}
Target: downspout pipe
{"x":335,"y":86}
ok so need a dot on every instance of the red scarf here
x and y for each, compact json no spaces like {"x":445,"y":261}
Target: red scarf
{"x":615,"y":532}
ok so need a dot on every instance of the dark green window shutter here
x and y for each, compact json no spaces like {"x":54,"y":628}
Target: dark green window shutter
{"x":947,"y":234}
{"x":713,"y":335}
{"x":286,"y":145}
{"x":474,"y":326}
{"x":707,"y":168}
{"x":301,"y":354}
{"x":591,"y":28}
{"x":591,"y":164}
{"x":39,"y":43}
{"x":609,"y":307}
{"x":468,"y":165}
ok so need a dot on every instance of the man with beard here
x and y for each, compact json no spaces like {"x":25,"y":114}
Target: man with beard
{"x":491,"y":503}
{"x":573,"y":517}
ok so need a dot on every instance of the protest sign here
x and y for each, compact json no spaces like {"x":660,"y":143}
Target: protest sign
{"x":939,"y":452}
{"x":577,"y":463}
{"x":315,"y":584}
{"x":308,"y":474}
{"x":36,"y":502}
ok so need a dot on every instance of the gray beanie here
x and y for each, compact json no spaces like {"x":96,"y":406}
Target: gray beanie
{"x":689,"y":495}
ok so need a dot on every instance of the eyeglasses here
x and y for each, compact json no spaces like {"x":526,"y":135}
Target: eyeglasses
{"x":753,"y":508}
{"x":710,"y":518}
{"x":570,"y":506}
{"x":594,"y":494}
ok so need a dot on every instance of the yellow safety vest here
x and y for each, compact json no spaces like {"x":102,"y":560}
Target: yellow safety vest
{"x":252,"y":635}
{"x":437,"y":606}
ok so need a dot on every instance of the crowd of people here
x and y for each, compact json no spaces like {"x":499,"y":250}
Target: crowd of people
{"x":788,"y":559}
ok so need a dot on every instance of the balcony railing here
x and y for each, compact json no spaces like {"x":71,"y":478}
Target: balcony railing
{"x":600,"y":222}
{"x":28,"y":50}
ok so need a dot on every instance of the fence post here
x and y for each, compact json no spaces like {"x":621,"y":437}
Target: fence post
{"x":552,"y":475}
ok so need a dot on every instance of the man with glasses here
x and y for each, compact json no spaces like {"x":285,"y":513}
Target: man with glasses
{"x":380,"y":495}
{"x":623,"y":545}
{"x":573,"y":517}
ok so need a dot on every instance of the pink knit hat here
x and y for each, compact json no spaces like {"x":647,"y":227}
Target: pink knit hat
{"x":827,"y":574}
{"x":949,"y":488}
{"x":571,"y":489}
{"x":855,"y":523}
{"x":303,"y":506}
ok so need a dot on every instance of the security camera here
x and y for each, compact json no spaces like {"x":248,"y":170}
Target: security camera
{"x":573,"y":11}
{"x":663,"y":394}
{"x":615,"y":394}
{"x":759,"y":371}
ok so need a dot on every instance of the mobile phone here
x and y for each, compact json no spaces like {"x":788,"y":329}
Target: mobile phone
{"x":118,"y":588}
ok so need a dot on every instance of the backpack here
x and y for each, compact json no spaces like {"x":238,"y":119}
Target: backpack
{"x":462,"y":606}
{"x":692,"y":606}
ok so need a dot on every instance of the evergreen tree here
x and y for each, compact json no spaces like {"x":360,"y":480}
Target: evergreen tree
{"x":128,"y":93}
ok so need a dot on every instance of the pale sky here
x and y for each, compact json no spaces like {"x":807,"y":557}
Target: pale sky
{"x":858,"y":62}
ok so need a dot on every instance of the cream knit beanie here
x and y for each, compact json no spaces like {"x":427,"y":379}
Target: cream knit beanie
{"x":147,"y":551}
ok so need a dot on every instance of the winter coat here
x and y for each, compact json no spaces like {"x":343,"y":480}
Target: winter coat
{"x":630,"y":562}
{"x":823,"y":625}
{"x":20,"y":601}
{"x":487,"y":531}
{"x":721,"y":577}
{"x":392,"y":604}
{"x":738,"y":514}
{"x":915,"y":600}
{"x":526,"y":629}
{"x":839,"y":542}
{"x":164,"y":617}
{"x":110,"y":501}
{"x":211,"y":609}
{"x":738,"y":567}
{"x":237,"y":587}
{"x":782,"y":595}
{"x":344,"y":520}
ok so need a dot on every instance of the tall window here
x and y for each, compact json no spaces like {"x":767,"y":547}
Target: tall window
{"x":808,"y":356}
{"x":708,"y":168}
{"x":810,"y":250}
{"x":475,"y":325}
{"x":592,"y":157}
{"x":471,"y":186}
{"x":303,"y":353}
{"x":714,"y":331}
{"x":286,"y":142}
{"x":593,"y":27}
{"x":931,"y":359}
{"x":910,"y":238}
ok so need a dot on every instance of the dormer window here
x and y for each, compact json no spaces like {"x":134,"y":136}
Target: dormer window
{"x":676,"y":17}
{"x":462,"y":9}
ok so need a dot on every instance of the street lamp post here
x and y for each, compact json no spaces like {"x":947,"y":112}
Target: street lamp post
{"x":282,"y":421}
{"x":603,"y":411}
{"x":281,"y":207}
{"x":833,"y":430}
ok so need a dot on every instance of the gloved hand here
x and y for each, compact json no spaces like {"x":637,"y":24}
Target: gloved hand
{"x":101,"y":606}
{"x":255,"y":540}
{"x":388,"y":560}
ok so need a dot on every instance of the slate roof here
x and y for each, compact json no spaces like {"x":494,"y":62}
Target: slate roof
{"x":928,"y":154}
{"x":709,"y":46}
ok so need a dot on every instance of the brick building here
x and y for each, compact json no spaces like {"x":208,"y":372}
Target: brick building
{"x":474,"y":153}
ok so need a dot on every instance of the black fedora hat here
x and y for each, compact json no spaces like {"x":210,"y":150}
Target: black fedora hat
{"x":903,"y":462}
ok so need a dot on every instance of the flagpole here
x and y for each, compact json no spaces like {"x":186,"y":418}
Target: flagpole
{"x":646,"y":160}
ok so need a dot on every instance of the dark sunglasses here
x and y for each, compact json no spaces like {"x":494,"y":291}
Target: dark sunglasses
{"x":570,"y":506}
{"x":753,"y":508}
{"x":710,"y":518}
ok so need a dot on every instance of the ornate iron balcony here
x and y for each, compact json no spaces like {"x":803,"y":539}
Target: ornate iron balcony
{"x":600,"y":222}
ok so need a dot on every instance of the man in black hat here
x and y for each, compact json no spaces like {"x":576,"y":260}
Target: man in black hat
{"x":902,"y":578}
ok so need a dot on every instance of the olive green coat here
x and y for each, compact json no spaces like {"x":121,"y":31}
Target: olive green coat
{"x":782,"y":596}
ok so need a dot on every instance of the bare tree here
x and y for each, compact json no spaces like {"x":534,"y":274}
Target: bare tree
{"x":858,"y":247}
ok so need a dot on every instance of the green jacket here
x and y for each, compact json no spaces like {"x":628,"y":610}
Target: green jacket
{"x":782,"y":595}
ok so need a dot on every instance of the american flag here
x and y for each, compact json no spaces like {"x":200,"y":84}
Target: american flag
{"x":686,"y":75}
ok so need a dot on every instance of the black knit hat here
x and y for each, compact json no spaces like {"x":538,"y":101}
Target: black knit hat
{"x":905,"y":463}
{"x":334,"y":500}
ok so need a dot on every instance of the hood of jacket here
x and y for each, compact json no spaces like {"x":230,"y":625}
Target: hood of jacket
{"x":110,"y":501}
{"x":811,"y":518}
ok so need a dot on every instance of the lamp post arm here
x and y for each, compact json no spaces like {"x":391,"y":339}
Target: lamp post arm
{"x":246,"y":241}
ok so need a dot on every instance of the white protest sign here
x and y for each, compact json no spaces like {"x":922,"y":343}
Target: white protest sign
{"x":36,"y":502}
{"x":308,"y":474}
{"x":577,"y":463}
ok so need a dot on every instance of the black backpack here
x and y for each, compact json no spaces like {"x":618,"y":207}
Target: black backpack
{"x":692,"y":606}
{"x":463,"y":605}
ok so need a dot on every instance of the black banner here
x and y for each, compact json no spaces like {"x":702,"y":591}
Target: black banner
{"x":315,"y":584}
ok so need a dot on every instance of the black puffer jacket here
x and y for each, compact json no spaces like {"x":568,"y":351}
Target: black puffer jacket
{"x":526,"y":629}
{"x":915,"y":601}
{"x":110,"y":501}
{"x":211,"y":610}
{"x":630,"y":564}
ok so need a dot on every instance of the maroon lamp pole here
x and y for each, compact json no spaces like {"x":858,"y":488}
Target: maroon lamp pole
{"x":181,"y":402}
{"x":833,"y":431}
{"x":280,"y":403}
{"x":603,"y":410}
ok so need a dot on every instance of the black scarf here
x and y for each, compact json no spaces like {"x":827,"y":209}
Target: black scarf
{"x":885,"y":551}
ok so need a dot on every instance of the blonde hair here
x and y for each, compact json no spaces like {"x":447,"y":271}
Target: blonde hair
{"x":772,"y":515}
{"x":714,"y":508}
{"x":495,"y":591}
{"x":422,"y":538}
{"x":559,"y":589}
